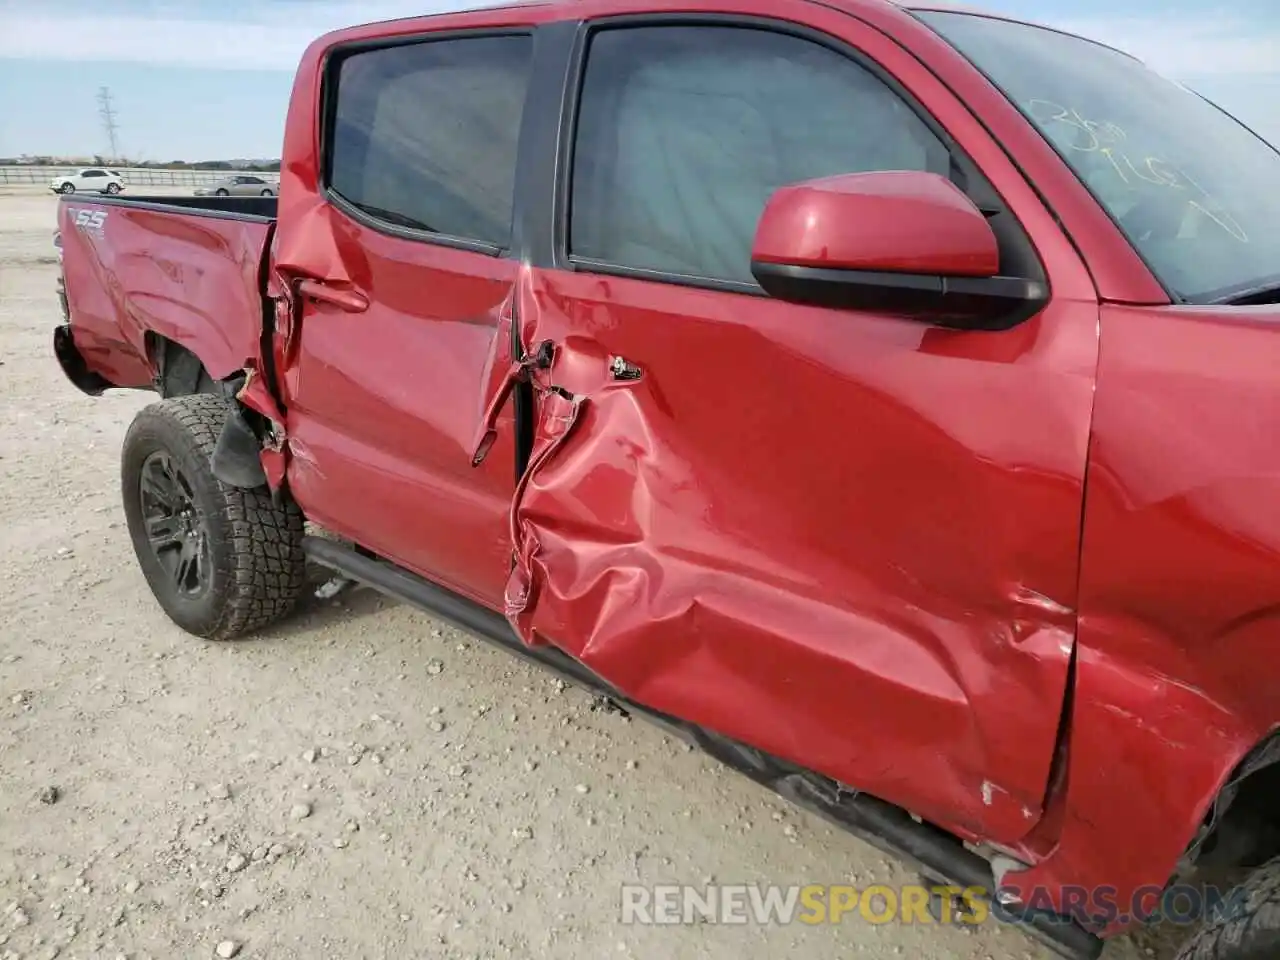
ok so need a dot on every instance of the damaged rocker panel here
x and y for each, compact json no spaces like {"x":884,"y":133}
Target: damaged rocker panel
{"x":939,"y":854}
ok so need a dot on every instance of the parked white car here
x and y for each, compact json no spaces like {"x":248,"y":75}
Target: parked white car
{"x":91,"y":179}
{"x":239,"y":185}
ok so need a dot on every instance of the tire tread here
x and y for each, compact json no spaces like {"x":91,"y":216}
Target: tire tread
{"x":1253,"y":933}
{"x":267,"y":568}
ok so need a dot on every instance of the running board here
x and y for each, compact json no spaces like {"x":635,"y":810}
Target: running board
{"x":887,"y":827}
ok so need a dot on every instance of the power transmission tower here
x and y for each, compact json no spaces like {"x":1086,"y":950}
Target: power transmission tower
{"x":108,"y":115}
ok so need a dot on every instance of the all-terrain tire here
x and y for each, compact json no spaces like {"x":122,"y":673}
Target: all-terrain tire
{"x":250,"y":569}
{"x":1251,"y":932}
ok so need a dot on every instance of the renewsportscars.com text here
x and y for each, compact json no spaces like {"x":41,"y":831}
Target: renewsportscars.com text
{"x":769,"y":904}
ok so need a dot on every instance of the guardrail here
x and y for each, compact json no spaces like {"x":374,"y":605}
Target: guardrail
{"x":133,"y":176}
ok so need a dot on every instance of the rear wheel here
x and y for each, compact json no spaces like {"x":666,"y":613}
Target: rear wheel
{"x":267,"y":193}
{"x":222,"y":561}
{"x":113,"y":188}
{"x":1249,"y":929}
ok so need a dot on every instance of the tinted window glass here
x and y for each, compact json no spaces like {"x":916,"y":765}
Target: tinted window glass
{"x":684,"y":132}
{"x":425,"y":135}
{"x":94,"y":173}
{"x":1194,"y":191}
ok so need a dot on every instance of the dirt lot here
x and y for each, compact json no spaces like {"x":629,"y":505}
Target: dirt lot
{"x":361,"y":782}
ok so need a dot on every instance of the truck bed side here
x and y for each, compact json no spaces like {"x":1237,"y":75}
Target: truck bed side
{"x":187,"y":269}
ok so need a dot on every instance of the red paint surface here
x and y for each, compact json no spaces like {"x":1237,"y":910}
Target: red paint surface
{"x":383,"y":404}
{"x":899,"y":220}
{"x":1179,"y":597}
{"x":745,"y":564}
{"x":193,"y":280}
{"x":849,"y":539}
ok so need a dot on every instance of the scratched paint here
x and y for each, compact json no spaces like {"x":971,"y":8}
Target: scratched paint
{"x":1179,"y":614}
{"x":742,"y":563}
{"x":120,"y":289}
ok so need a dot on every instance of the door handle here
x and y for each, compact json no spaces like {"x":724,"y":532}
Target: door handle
{"x":352,"y":301}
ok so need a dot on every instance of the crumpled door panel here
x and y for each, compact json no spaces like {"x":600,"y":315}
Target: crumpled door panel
{"x":725,"y":534}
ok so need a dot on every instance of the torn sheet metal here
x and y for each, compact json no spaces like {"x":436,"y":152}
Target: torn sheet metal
{"x":559,"y":412}
{"x":788,"y":529}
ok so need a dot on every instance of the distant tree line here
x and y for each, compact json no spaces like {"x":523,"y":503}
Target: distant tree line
{"x":272,"y":166}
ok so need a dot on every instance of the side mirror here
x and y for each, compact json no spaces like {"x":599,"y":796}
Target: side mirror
{"x":900,"y":242}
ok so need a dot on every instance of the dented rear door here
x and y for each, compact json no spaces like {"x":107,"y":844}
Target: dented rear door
{"x":845,"y":538}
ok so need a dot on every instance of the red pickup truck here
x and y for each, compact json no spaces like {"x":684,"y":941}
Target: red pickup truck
{"x":886,"y":398}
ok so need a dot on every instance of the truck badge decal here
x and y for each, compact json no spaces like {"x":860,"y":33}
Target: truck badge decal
{"x":91,"y":221}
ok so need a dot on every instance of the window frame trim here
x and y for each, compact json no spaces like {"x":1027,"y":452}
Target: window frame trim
{"x":570,"y":108}
{"x":328,"y":104}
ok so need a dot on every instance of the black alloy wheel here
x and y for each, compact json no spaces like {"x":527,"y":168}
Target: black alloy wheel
{"x":176,"y":528}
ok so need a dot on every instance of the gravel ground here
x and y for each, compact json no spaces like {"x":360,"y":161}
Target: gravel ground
{"x":363,"y":781}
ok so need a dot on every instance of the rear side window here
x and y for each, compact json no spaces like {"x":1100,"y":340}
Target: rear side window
{"x":424,"y":135}
{"x":684,"y":131}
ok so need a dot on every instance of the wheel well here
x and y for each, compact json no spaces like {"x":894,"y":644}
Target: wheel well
{"x":179,"y":372}
{"x":1242,"y":828}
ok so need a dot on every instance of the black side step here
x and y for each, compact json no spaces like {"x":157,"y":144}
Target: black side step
{"x":397,"y":582}
{"x":881,"y":824}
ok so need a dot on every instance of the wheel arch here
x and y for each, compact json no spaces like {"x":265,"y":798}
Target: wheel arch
{"x":237,"y":457}
{"x":1148,"y":763}
{"x":178,"y":370}
{"x":1241,"y":827}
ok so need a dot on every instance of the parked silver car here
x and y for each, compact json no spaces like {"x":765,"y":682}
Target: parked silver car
{"x":240,"y":185}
